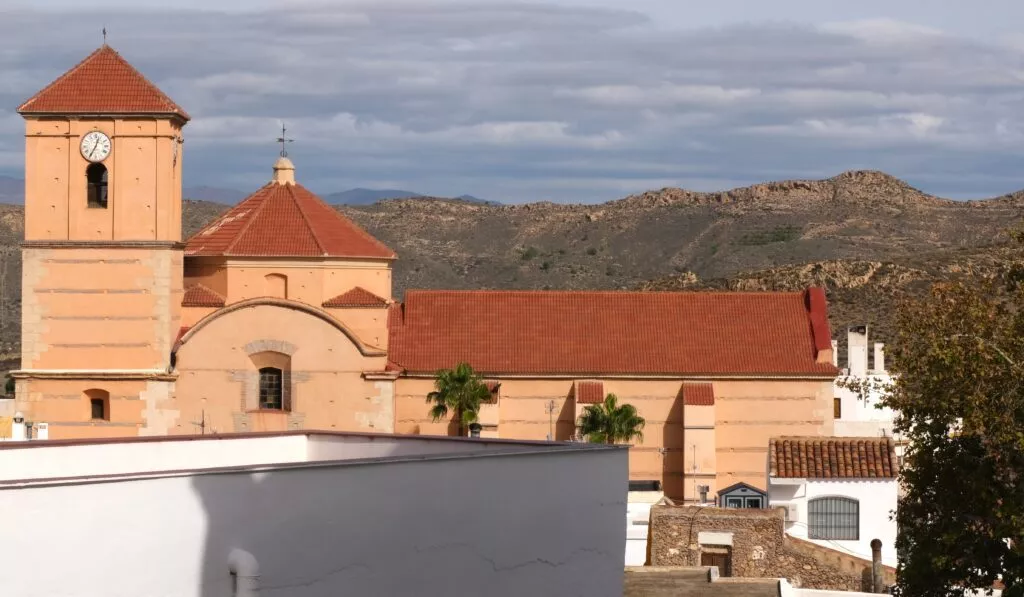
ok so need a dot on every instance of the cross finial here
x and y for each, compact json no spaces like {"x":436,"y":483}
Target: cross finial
{"x":283,"y":140}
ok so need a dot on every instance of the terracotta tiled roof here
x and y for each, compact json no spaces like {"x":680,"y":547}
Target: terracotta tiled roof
{"x":198,"y":295}
{"x":832,"y":457}
{"x":285,"y":220}
{"x":103,"y":83}
{"x":357,"y":297}
{"x":589,"y":392}
{"x":698,"y":394}
{"x":593,"y":333}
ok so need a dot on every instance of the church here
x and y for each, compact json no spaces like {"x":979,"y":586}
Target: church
{"x":279,"y":316}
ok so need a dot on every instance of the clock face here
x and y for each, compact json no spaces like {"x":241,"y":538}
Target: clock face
{"x":95,"y":146}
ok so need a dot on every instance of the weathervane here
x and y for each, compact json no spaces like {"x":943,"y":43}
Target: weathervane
{"x":104,"y":35}
{"x":283,"y":139}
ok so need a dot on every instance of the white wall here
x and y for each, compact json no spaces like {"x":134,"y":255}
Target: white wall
{"x":341,"y":447}
{"x":40,"y":459}
{"x":877,"y":501}
{"x":520,"y":524}
{"x":638,"y":518}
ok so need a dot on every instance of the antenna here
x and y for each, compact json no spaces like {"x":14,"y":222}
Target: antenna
{"x":201,"y":424}
{"x":283,"y":140}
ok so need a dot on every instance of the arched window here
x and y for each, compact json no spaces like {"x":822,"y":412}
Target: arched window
{"x":276,"y":285}
{"x":833,"y":518}
{"x":96,"y":178}
{"x":99,"y":404}
{"x":271,"y":388}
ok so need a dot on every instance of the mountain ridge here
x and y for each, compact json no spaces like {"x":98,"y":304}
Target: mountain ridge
{"x":864,"y":235}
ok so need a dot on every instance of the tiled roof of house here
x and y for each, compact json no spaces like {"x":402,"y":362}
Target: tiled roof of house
{"x":356,"y":297}
{"x":285,"y":220}
{"x":589,"y":392}
{"x":698,"y":394}
{"x":832,"y":458}
{"x":102,"y":83}
{"x":592,"y":333}
{"x":198,"y":295}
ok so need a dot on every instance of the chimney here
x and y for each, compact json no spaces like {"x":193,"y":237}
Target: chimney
{"x":18,"y":432}
{"x":835,"y":353}
{"x":877,"y":584}
{"x":857,"y":350}
{"x":879,"y":357}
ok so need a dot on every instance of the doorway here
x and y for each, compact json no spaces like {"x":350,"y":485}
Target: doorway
{"x":717,"y":557}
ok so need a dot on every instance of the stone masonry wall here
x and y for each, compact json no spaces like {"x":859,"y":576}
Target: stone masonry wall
{"x":759,"y":547}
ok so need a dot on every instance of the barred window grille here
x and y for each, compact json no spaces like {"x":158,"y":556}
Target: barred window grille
{"x":271,"y":388}
{"x":833,"y":518}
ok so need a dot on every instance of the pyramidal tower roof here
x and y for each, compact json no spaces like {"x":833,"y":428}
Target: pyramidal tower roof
{"x":284,"y":219}
{"x":103,"y":83}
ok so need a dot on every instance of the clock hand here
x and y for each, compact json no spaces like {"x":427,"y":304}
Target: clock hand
{"x":94,"y":146}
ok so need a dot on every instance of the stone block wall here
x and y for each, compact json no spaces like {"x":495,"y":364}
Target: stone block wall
{"x":757,"y":545}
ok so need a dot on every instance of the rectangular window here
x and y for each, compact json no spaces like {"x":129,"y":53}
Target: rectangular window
{"x":734,"y":502}
{"x":270,"y":388}
{"x":837,"y":408}
{"x":836,"y":518}
{"x":752,"y":502}
{"x":99,"y":408}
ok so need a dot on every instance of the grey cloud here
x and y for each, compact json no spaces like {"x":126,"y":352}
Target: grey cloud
{"x":523,"y":102}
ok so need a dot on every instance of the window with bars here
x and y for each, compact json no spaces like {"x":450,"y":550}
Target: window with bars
{"x":271,"y":388}
{"x":833,"y":518}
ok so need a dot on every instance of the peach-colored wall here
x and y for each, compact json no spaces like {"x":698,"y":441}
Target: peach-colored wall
{"x":144,"y":180}
{"x":326,"y":371}
{"x":371,"y":325}
{"x":309,"y":281}
{"x":749,"y":413}
{"x":210,"y":272}
{"x":727,"y":442}
{"x":100,"y":308}
{"x":64,"y":405}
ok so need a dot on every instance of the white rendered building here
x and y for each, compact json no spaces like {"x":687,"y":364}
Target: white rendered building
{"x":311,"y":513}
{"x":838,"y":492}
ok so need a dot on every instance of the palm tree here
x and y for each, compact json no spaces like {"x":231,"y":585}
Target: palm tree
{"x":609,"y":423}
{"x":459,"y":390}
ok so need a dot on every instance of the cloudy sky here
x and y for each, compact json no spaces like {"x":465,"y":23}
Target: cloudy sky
{"x":563,"y":100}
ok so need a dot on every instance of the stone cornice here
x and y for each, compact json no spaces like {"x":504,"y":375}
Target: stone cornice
{"x":100,"y":374}
{"x":103,"y":244}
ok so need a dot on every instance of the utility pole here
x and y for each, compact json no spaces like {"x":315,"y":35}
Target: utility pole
{"x":550,"y":409}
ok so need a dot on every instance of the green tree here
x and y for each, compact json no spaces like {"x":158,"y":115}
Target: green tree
{"x":457,"y":390}
{"x":958,"y":390}
{"x":609,"y":423}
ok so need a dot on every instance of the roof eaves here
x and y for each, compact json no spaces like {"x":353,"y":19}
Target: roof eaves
{"x":172,"y":107}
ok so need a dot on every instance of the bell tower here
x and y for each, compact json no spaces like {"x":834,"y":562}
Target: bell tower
{"x":102,"y":257}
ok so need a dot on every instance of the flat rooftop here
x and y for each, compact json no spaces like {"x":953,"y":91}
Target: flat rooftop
{"x":46,"y":462}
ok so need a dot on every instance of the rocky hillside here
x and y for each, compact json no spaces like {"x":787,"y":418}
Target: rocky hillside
{"x":868,"y":237}
{"x":859,"y":292}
